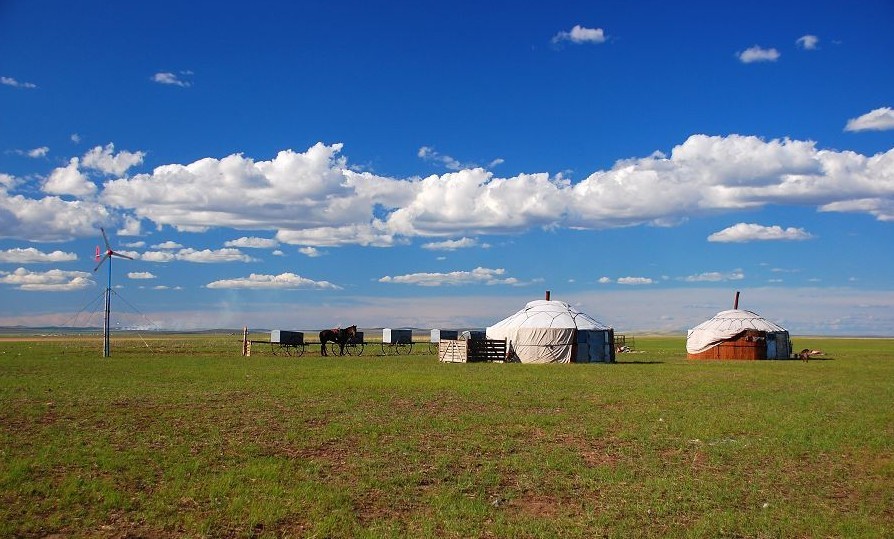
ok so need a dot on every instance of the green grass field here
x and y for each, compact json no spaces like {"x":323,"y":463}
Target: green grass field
{"x":182,"y":437}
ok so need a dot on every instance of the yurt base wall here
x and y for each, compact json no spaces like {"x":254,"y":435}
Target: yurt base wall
{"x":748,"y":346}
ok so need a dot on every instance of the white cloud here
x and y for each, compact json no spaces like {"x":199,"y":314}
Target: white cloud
{"x":166,"y":77}
{"x":9,"y":81}
{"x":881,"y":208}
{"x":7,"y":182}
{"x":311,"y":252}
{"x":580,"y":34}
{"x":306,"y":196}
{"x":30,"y":255}
{"x":278,"y":252}
{"x":427,"y":153}
{"x":283,"y":281}
{"x":167,"y":245}
{"x":758,"y":54}
{"x":140,"y":275}
{"x":131,"y":227}
{"x":205,"y":256}
{"x":745,"y":232}
{"x":136,"y":244}
{"x":252,"y":243}
{"x":314,"y":199}
{"x":49,"y":218}
{"x":452,"y":245}
{"x":881,"y":119}
{"x":157,"y":256}
{"x":38,"y":152}
{"x":69,"y":180}
{"x":604,"y":280}
{"x":49,"y":281}
{"x":636,"y":281}
{"x":76,"y":138}
{"x":808,"y":42}
{"x":478,"y":275}
{"x":715,"y":277}
{"x":105,"y":160}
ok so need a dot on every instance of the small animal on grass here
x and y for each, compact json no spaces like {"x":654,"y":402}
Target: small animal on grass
{"x":805,"y":354}
{"x":336,"y":335}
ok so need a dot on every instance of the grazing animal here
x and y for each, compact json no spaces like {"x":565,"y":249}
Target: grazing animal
{"x":337,"y":335}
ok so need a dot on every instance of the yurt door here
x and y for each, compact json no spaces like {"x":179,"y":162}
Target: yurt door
{"x":771,"y":346}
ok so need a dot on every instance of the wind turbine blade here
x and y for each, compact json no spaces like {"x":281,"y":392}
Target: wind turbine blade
{"x":116,"y":253}
{"x":106,"y":238}
{"x":103,"y":259}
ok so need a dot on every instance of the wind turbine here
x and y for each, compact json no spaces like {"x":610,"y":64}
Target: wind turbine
{"x":99,"y":260}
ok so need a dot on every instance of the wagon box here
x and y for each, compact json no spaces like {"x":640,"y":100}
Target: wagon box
{"x":397,"y":336}
{"x":281,"y":336}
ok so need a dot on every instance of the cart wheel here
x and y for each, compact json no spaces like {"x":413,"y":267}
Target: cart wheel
{"x":273,"y":347}
{"x":358,"y":348}
{"x":354,"y":349}
{"x":432,"y":348}
{"x":385,"y":348}
{"x":300,"y":349}
{"x":287,"y":349}
{"x":334,"y":349}
{"x":404,"y":348}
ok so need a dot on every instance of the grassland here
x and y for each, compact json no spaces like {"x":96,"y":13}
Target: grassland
{"x":182,"y":437}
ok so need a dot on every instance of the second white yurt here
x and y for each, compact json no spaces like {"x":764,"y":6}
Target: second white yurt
{"x":548,"y":331}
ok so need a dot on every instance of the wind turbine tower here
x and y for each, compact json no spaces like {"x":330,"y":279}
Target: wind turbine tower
{"x":99,"y":260}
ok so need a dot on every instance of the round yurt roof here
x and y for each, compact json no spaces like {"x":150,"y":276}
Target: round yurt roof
{"x":543,"y":313}
{"x":726,"y":325}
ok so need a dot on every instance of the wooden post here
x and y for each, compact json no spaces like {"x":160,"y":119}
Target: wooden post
{"x":246,"y":346}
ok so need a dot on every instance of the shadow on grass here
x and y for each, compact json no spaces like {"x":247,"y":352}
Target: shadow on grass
{"x":639,"y":362}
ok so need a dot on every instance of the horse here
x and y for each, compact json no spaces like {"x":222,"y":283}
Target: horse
{"x":337,"y":335}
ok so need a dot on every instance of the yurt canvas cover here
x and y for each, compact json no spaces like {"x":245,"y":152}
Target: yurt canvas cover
{"x":728,"y":324}
{"x":554,"y":332}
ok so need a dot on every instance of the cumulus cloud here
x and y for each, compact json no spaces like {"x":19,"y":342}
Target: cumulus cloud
{"x":172,"y":79}
{"x":30,"y":255}
{"x":758,"y":54}
{"x":69,"y":180}
{"x":167,"y":245}
{"x":313,"y":199}
{"x":37,"y":153}
{"x":714,"y":277}
{"x":580,"y":34}
{"x":746,"y":232}
{"x":205,"y":256}
{"x":9,"y":81}
{"x":252,"y":243}
{"x":881,"y":119}
{"x":635,"y":281}
{"x":311,"y":252}
{"x":808,"y":42}
{"x":49,"y":281}
{"x":604,"y":280}
{"x":49,"y":218}
{"x":283,"y":281}
{"x":105,"y":160}
{"x":308,"y":197}
{"x":140,"y":275}
{"x":478,"y":275}
{"x":427,"y":153}
{"x":452,"y":245}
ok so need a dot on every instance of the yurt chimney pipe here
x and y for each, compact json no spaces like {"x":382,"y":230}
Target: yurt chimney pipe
{"x":547,"y":295}
{"x":736,"y":303}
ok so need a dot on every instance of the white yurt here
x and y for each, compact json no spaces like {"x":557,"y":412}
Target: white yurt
{"x":738,"y":334}
{"x":548,"y":331}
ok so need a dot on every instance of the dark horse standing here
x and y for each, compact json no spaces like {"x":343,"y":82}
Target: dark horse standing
{"x":338,"y":335}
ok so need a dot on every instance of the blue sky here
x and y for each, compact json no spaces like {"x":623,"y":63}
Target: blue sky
{"x":312,"y":164}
